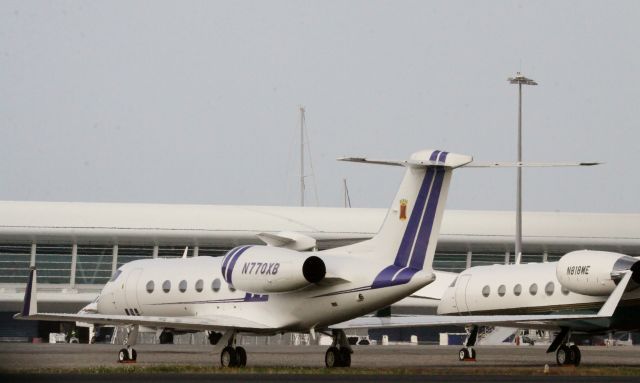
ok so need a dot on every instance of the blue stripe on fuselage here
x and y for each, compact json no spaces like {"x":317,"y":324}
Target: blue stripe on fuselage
{"x":232,"y":263}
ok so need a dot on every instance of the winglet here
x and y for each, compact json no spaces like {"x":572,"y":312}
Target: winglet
{"x":610,"y":305}
{"x":30,"y":304}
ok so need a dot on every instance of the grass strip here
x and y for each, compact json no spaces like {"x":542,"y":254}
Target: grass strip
{"x":592,"y":370}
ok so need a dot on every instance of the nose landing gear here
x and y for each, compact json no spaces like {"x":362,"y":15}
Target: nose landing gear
{"x":468,"y":353}
{"x":129,"y":354}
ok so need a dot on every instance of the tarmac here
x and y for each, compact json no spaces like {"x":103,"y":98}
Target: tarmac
{"x":74,"y":362}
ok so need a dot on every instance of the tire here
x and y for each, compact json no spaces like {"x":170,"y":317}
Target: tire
{"x":123,"y":355}
{"x":166,"y":337}
{"x":228,"y":357}
{"x":241,"y":356}
{"x":345,"y":357}
{"x":563,"y":355}
{"x":332,"y":357}
{"x":463,"y":354}
{"x":576,"y":355}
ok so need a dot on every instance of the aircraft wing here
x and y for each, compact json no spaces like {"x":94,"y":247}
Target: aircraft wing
{"x":217,"y":322}
{"x":182,"y":323}
{"x":547,"y":322}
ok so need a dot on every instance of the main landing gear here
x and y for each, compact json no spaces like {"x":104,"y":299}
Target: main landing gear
{"x":232,"y":356}
{"x":128,"y":354}
{"x":566,"y":353}
{"x":468,"y":353}
{"x":339,"y":354}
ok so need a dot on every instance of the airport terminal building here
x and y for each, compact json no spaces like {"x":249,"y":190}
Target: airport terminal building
{"x":78,"y":246}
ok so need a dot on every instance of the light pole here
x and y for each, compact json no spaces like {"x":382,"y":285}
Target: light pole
{"x":520,"y":80}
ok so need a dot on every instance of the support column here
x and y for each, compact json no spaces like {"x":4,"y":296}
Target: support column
{"x":469,"y":255}
{"x":32,"y":263}
{"x":545,"y":257}
{"x":114,"y":259}
{"x":506,"y":258}
{"x":196,"y":251}
{"x":155,"y":252}
{"x":74,"y":262}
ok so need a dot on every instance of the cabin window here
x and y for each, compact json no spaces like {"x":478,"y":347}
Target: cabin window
{"x":517,"y":290}
{"x":533,"y":289}
{"x":150,"y":286}
{"x":199,"y":285}
{"x":549,"y":288}
{"x":486,"y":290}
{"x":182,"y":286}
{"x":166,"y":286}
{"x":215,"y":285}
{"x":564,"y":290}
{"x":502,"y":290}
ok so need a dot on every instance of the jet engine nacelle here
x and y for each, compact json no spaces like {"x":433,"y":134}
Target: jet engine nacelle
{"x":266,"y":269}
{"x":595,"y":273}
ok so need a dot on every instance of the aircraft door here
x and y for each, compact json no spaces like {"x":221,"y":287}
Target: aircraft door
{"x":461,"y":293}
{"x":131,"y":289}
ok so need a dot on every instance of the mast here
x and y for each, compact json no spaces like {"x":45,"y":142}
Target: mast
{"x":301,"y":155}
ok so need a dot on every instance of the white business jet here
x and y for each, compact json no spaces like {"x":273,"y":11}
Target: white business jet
{"x":593,"y":292}
{"x":268,"y":290}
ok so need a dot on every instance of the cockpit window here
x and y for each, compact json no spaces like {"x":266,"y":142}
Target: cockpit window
{"x":116,"y":275}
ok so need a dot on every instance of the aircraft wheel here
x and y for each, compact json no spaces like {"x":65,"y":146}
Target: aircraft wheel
{"x":123,"y":356}
{"x":241,"y":354}
{"x":332,"y":357}
{"x":564,"y":355}
{"x":228,"y":357}
{"x":134,"y":355}
{"x":463,"y":354}
{"x":576,"y":355}
{"x":166,"y":337}
{"x":345,"y":357}
{"x":472,"y":352}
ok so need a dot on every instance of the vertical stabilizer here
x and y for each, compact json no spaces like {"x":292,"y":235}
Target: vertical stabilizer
{"x":30,"y":304}
{"x":408,"y":236}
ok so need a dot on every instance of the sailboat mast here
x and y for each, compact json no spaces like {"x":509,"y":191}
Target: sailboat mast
{"x":301,"y":155}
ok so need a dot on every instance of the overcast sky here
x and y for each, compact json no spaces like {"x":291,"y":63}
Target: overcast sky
{"x":197,"y":102}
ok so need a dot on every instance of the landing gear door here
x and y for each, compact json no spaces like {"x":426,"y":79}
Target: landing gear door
{"x":461,"y":293}
{"x":131,"y":289}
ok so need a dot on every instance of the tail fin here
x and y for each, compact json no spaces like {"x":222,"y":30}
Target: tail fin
{"x":30,"y":303}
{"x":408,"y":236}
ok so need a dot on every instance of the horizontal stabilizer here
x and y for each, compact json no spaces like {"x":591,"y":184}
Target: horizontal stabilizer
{"x":423,"y":158}
{"x":477,"y":164}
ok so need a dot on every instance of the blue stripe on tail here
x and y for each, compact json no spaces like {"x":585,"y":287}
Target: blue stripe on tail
{"x":402,"y":257}
{"x":418,"y":231}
